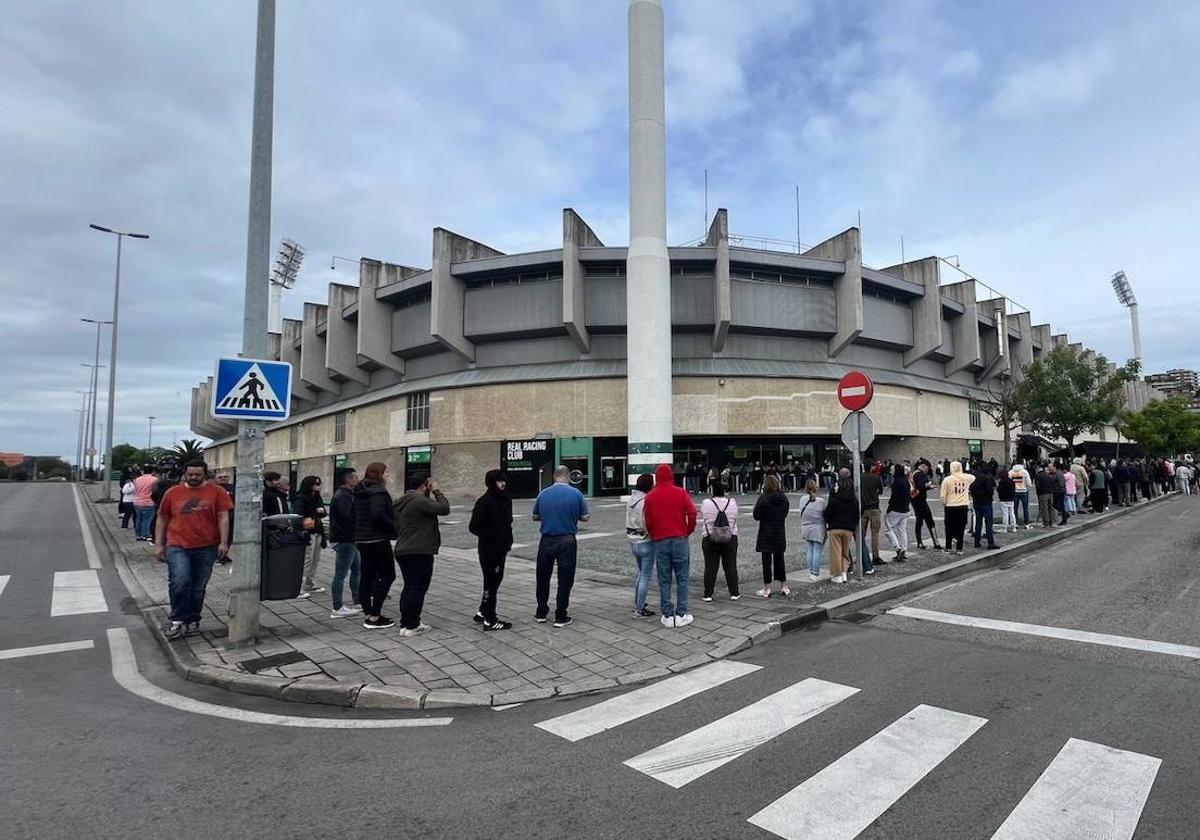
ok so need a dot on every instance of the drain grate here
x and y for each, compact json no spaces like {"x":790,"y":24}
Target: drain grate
{"x":273,"y":661}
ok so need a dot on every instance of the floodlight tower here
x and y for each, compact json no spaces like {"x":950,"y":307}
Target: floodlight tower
{"x":1127,"y":298}
{"x":283,"y":276}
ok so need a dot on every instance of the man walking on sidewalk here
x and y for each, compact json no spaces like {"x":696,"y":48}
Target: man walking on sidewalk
{"x":670,"y":519}
{"x":491,"y":523}
{"x":191,"y":533}
{"x":559,"y":508}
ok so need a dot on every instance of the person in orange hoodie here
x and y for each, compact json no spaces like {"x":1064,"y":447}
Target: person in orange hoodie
{"x":670,"y":518}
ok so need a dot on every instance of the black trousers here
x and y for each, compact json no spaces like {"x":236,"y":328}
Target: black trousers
{"x":924,"y":516}
{"x":126,"y":513}
{"x":491,"y":563}
{"x":956,"y":526}
{"x":720,"y":555}
{"x":377,"y":571}
{"x":1099,"y":500}
{"x":417,"y":571}
{"x":1060,"y":505}
{"x":773,"y":564}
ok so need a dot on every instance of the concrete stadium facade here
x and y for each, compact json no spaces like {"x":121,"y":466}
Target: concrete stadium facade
{"x":488,"y":359}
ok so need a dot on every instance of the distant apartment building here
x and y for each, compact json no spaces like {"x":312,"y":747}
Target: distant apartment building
{"x":1176,"y":383}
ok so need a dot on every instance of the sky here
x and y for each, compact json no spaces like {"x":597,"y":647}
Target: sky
{"x":1044,"y":145}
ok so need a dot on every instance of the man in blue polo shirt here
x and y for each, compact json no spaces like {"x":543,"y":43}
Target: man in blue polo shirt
{"x":559,"y":508}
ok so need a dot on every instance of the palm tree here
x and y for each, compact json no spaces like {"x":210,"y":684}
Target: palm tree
{"x":188,"y":449}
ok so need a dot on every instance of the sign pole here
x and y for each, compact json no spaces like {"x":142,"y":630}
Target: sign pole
{"x":244,"y":601}
{"x":858,"y":530}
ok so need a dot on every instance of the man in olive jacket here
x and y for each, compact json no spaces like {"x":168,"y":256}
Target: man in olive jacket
{"x":417,"y":540}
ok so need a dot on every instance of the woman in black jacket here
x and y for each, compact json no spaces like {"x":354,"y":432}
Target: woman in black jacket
{"x":770,"y":511}
{"x":491,"y":523}
{"x":311,"y":506}
{"x":841,"y":518}
{"x":374,"y":530}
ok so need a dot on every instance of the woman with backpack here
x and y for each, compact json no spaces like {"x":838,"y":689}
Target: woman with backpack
{"x":719,"y":514}
{"x":812,"y":528}
{"x":640,"y":543}
{"x":770,"y":511}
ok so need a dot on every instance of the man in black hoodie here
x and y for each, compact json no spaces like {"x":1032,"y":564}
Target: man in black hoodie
{"x":983,"y":491}
{"x":491,"y":523}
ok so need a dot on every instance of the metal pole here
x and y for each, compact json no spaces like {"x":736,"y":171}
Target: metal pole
{"x":95,"y":386}
{"x":1137,"y":332}
{"x":150,"y":434}
{"x":858,"y":531}
{"x":82,"y":412}
{"x":244,"y":604}
{"x":112,"y":379}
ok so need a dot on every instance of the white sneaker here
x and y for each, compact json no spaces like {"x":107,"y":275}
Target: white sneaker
{"x":839,"y":579}
{"x":356,"y":608}
{"x":342,"y":612}
{"x":305,"y":595}
{"x":734,"y":597}
{"x":684,"y":620}
{"x":765,"y":592}
{"x":409,"y":632}
{"x":813,"y":576}
{"x":784,"y":591}
{"x":668,"y":621}
{"x":707,"y":599}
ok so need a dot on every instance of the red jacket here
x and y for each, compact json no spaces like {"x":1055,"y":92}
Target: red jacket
{"x":669,"y":510}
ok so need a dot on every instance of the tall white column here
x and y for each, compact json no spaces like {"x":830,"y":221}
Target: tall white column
{"x":648,"y":268}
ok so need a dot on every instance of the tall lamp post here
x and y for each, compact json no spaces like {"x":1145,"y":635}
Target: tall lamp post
{"x":1127,"y":298}
{"x":112,"y":362}
{"x":95,"y":388}
{"x":150,"y":433}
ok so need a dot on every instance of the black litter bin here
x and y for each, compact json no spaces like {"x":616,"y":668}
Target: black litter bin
{"x":284,"y":544}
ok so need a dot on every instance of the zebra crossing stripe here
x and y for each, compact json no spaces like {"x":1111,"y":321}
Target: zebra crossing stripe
{"x":643,"y":701}
{"x":76,"y":593}
{"x":3,"y":582}
{"x":876,"y":774}
{"x":1089,"y":790}
{"x":705,"y":749}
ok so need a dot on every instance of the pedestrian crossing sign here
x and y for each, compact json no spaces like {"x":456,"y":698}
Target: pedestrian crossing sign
{"x":252,"y":389}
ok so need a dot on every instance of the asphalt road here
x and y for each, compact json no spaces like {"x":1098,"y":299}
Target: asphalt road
{"x":971,"y":725}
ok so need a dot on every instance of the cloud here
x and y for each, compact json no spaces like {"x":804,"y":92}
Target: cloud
{"x":1058,"y":83}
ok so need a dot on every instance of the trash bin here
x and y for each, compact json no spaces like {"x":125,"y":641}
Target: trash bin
{"x":284,"y":544}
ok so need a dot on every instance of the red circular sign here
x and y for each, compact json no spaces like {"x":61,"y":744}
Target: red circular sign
{"x":855,"y":390}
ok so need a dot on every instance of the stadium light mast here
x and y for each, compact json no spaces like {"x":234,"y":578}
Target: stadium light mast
{"x":1127,"y":298}
{"x":283,"y":276}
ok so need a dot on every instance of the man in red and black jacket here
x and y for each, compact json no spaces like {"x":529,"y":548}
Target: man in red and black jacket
{"x":670,"y":517}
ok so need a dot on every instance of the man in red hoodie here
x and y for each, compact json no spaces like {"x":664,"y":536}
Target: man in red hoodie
{"x":670,"y":517}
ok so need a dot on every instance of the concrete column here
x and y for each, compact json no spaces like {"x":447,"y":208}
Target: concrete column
{"x":576,"y":235}
{"x":290,"y":353}
{"x":997,"y":358}
{"x":449,"y":298}
{"x":208,"y":425}
{"x":374,"y":334}
{"x":1077,"y":347}
{"x":193,"y":421}
{"x":965,"y":327}
{"x":926,"y":310}
{"x":1022,"y":351}
{"x":718,"y":237}
{"x":1059,"y":340}
{"x":273,"y":343}
{"x":648,"y":267}
{"x":846,"y":246}
{"x":313,"y":351}
{"x":1042,"y":337}
{"x":341,"y":337}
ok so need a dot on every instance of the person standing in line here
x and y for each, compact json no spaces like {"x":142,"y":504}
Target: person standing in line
{"x":983,"y":491}
{"x":720,"y":542}
{"x":812,"y":528}
{"x":1070,"y":505}
{"x":870,"y":489}
{"x":1099,"y":488}
{"x":418,"y":539}
{"x":1044,"y":484}
{"x":919,"y":493}
{"x":559,"y":508}
{"x":491,"y":523}
{"x":1060,"y":493}
{"x":841,"y":518}
{"x":639,"y":543}
{"x":345,"y":552}
{"x":1183,"y":479}
{"x":128,"y":489}
{"x":1143,"y":478}
{"x":143,"y":503}
{"x":311,"y":506}
{"x":1022,"y":482}
{"x":192,"y":531}
{"x":770,"y":511}
{"x":1006,"y":491}
{"x":670,"y":517}
{"x":895,"y":521}
{"x":956,"y":495}
{"x":1081,"y":484}
{"x":274,"y":499}
{"x":374,"y":530}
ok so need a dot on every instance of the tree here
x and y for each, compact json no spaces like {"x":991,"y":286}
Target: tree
{"x":1003,"y":405}
{"x":126,"y":455}
{"x":49,"y":467}
{"x":1065,"y":393}
{"x":1164,"y":427}
{"x":189,"y":449}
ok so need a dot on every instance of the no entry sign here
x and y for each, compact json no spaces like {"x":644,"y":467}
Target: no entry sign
{"x":855,"y":391}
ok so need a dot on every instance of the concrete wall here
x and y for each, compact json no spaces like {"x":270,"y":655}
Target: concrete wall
{"x":847,"y":247}
{"x":965,"y":328}
{"x":341,"y":337}
{"x":785,"y":307}
{"x":313,"y":351}
{"x":448,"y":301}
{"x":718,"y":238}
{"x":887,"y":323}
{"x":514,"y":308}
{"x":576,"y":235}
{"x":410,"y":331}
{"x":374,"y":335}
{"x":925,"y":312}
{"x":290,"y":353}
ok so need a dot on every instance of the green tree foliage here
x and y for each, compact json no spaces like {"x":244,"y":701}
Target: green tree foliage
{"x":1066,"y":393}
{"x":53,"y":468}
{"x":126,"y":455}
{"x":188,"y":449}
{"x":1164,"y":427}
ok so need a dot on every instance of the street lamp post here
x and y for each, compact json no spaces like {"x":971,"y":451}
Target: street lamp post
{"x":95,"y":388}
{"x":1127,"y":298}
{"x":150,"y":433}
{"x":112,"y":362}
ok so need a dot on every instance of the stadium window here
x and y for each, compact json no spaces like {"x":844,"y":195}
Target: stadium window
{"x":339,"y":427}
{"x":973,"y":415}
{"x":418,"y":412}
{"x":293,"y":438}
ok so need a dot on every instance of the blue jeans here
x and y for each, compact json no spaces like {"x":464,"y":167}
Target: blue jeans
{"x":345,"y":559}
{"x":643,"y":553}
{"x":672,"y":556}
{"x":188,"y":570}
{"x":560,"y":550}
{"x":983,"y":518}
{"x":815,"y":550}
{"x":142,"y":517}
{"x":1022,"y":505}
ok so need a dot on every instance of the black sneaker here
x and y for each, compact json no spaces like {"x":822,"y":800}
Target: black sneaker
{"x":540,"y":619}
{"x":498,"y":624}
{"x":381,"y":623}
{"x":562,"y":622}
{"x":478,"y":618}
{"x":644,"y":612}
{"x":192,"y":628}
{"x":173,"y":630}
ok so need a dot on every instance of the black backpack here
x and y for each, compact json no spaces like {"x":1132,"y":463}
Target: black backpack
{"x":721,"y":531}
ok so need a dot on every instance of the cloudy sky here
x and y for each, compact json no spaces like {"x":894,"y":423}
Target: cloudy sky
{"x":1045,"y":144}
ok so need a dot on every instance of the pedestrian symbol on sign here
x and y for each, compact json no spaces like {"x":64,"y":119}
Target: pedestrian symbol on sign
{"x":251,"y":389}
{"x":252,"y":386}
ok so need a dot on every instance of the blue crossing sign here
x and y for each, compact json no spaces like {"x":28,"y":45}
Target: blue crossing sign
{"x":252,"y":389}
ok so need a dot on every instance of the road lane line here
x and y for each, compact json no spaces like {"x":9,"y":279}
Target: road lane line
{"x":840,"y":801}
{"x":125,"y":672}
{"x":643,"y":701}
{"x":3,"y":582}
{"x":62,"y":647}
{"x":89,"y":546}
{"x":1065,"y":633}
{"x":1089,"y":790}
{"x":703,"y":750}
{"x":76,"y":593}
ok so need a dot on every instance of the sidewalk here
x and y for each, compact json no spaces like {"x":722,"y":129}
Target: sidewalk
{"x":306,"y":656}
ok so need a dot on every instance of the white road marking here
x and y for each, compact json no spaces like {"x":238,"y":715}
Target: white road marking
{"x":125,"y":672}
{"x":515,"y":546}
{"x":1089,"y":790}
{"x":89,"y":545}
{"x":840,"y":801}
{"x":594,"y":535}
{"x":62,"y":647}
{"x":643,"y":701}
{"x":505,"y":707}
{"x":451,"y":521}
{"x":76,"y":593}
{"x":1065,"y":633}
{"x":3,"y":582}
{"x":703,"y":750}
{"x":614,"y":505}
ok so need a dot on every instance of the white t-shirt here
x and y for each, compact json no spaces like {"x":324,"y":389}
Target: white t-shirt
{"x":127,"y":490}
